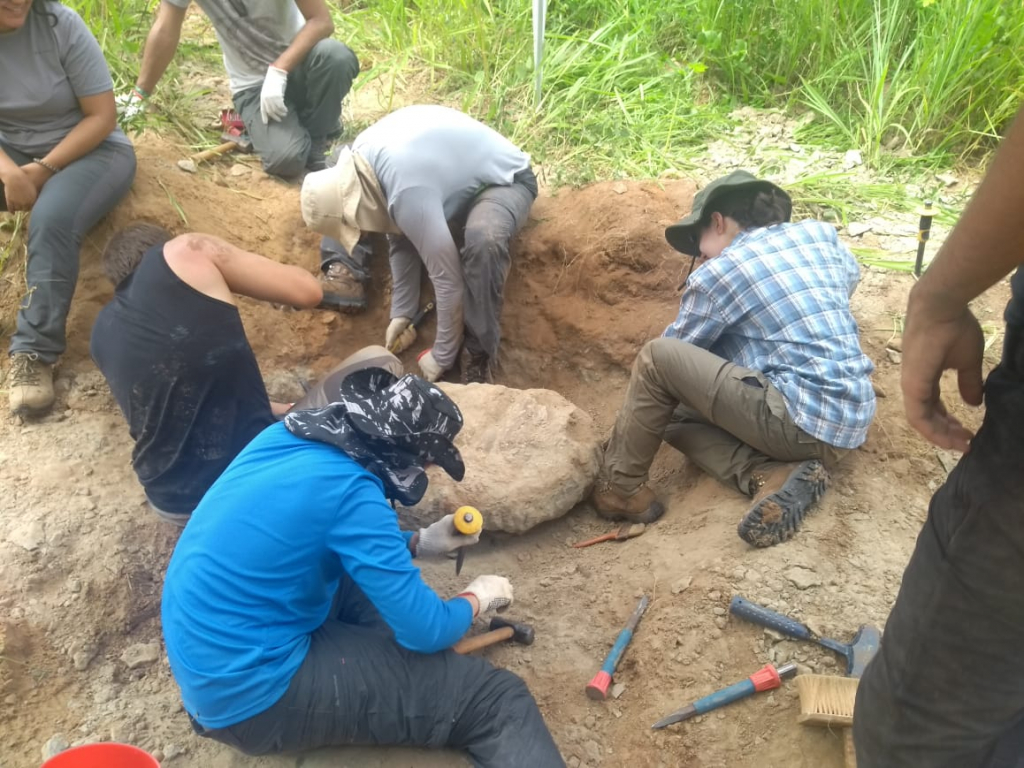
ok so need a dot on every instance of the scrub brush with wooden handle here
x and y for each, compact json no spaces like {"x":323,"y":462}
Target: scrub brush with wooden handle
{"x":828,"y":701}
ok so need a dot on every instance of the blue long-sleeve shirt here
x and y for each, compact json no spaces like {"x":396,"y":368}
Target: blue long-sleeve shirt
{"x":257,"y":567}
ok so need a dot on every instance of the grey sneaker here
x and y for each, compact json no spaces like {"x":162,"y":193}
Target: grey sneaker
{"x":31,"y":383}
{"x":343,"y":291}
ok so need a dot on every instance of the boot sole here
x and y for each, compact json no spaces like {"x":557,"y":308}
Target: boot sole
{"x":776,"y":518}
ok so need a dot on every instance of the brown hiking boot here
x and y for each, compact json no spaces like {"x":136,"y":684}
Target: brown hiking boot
{"x":31,"y":383}
{"x":343,"y":292}
{"x":642,"y":506}
{"x":783,"y":495}
{"x":476,"y":368}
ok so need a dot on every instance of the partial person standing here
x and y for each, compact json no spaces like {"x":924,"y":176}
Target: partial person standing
{"x":288,"y":76}
{"x":64,"y":160}
{"x":418,"y":175}
{"x":946,"y":689}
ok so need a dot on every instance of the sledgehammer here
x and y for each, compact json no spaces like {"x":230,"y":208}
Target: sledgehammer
{"x":501,"y":630}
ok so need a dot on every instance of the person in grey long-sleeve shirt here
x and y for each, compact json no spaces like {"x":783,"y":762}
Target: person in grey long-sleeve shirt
{"x":431,"y":170}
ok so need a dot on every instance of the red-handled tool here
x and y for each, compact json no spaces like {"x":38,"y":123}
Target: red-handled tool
{"x":764,"y":679}
{"x":597,"y":689}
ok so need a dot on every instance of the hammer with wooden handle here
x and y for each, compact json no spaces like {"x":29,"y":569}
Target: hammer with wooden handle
{"x":501,"y":630}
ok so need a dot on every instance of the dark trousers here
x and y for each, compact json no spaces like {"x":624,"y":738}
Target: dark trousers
{"x":357,"y":686}
{"x":495,"y":216}
{"x":314,"y":93}
{"x":68,"y":206}
{"x":947,"y":687}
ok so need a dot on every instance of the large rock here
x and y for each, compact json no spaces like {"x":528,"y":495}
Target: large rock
{"x":530,"y":455}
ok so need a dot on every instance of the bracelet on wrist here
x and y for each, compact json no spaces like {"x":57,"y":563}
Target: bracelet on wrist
{"x":48,"y":166}
{"x":141,"y":92}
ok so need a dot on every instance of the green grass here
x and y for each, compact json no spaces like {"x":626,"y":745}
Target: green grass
{"x":634,"y":88}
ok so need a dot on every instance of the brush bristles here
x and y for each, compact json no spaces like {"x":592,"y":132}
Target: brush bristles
{"x":826,"y":699}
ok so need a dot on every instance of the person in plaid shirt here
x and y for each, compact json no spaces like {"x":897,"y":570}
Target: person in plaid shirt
{"x":760,"y":380}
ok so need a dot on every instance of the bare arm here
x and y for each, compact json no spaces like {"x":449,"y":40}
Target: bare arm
{"x":940,"y":331}
{"x":99,"y":119}
{"x":219,"y":269}
{"x":161,"y":44}
{"x":319,"y":26}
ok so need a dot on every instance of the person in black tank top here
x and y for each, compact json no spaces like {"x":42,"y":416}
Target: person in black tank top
{"x":172,"y":348}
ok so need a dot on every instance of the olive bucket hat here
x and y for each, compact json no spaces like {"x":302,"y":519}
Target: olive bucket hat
{"x":684,"y":235}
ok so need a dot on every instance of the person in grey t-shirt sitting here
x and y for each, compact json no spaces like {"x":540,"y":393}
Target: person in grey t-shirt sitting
{"x":288,"y":76}
{"x":63,"y":158}
{"x":419,"y":174}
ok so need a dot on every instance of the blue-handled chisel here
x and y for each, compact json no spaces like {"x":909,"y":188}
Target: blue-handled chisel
{"x":764,"y":679}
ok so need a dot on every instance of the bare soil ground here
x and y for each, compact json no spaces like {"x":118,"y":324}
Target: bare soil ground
{"x":82,"y":561}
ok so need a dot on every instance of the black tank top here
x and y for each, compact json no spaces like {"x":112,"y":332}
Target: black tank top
{"x":179,"y":365}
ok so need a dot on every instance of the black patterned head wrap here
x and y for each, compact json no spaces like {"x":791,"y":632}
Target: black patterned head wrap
{"x":392,"y":427}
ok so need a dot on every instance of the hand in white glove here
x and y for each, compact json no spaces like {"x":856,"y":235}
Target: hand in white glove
{"x":429,"y":366}
{"x":272,"y":106}
{"x":441,"y":538}
{"x":400,"y":330}
{"x":494,"y":593}
{"x":130,"y":105}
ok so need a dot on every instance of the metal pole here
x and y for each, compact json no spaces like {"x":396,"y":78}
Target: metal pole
{"x":924,"y":228}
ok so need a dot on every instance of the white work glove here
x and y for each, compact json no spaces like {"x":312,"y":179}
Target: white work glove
{"x":441,"y":538}
{"x":494,"y":593}
{"x":130,"y":106}
{"x":431,"y":371}
{"x":272,"y":106}
{"x":400,"y":329}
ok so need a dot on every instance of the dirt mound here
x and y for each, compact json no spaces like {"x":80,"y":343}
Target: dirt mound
{"x":81,"y":562}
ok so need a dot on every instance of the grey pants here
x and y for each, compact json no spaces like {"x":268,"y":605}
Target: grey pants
{"x":314,"y":93}
{"x":494,"y":218}
{"x":729,"y":420}
{"x":484,"y":235}
{"x":69,"y":205}
{"x":946,"y":689}
{"x":357,"y":686}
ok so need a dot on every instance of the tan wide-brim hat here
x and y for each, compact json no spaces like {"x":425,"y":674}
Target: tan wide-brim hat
{"x":330,"y":199}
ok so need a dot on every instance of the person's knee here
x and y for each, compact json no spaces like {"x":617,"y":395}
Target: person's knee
{"x":513,"y":696}
{"x":485,"y":245}
{"x":335,"y":58}
{"x":287,"y":159}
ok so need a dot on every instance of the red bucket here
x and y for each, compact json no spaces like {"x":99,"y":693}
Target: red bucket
{"x":105,"y":755}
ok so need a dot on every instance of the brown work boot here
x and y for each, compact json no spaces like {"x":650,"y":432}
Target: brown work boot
{"x":343,"y":292}
{"x":642,"y":506}
{"x":31,"y":384}
{"x":476,"y":367}
{"x":783,"y":495}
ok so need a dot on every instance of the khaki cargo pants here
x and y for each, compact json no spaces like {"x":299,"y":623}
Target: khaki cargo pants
{"x":728,"y":420}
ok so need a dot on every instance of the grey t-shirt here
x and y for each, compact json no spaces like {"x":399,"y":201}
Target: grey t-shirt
{"x":252,"y":34}
{"x":46,"y":65}
{"x":431,"y":161}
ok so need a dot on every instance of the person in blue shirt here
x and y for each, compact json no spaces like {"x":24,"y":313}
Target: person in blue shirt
{"x":761,"y":380}
{"x":293,"y":615}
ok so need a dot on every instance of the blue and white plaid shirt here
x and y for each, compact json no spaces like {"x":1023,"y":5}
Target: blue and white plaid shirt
{"x":777,"y":300}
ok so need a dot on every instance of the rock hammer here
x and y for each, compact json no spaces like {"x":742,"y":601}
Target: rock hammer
{"x":858,"y":652}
